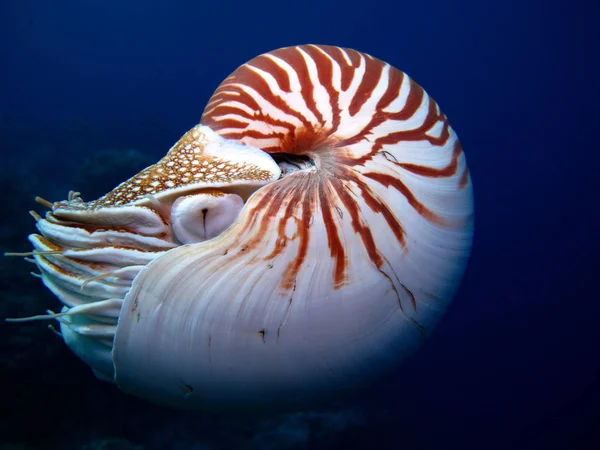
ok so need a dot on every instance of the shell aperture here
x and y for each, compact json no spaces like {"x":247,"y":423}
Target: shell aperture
{"x":297,"y":243}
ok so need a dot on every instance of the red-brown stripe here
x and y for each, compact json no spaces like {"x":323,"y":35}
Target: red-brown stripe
{"x":390,"y":94}
{"x":371,"y":77}
{"x":347,"y":70}
{"x":388,"y":180}
{"x":361,"y":229}
{"x":325,"y":73}
{"x":432,"y":172}
{"x":294,"y":58}
{"x":336,"y":248}
{"x":266,"y":64}
{"x":378,"y":206}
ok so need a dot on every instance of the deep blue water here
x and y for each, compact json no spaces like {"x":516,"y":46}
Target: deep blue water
{"x":515,"y":364}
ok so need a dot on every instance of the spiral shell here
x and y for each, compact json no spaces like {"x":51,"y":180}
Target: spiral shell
{"x":296,"y":244}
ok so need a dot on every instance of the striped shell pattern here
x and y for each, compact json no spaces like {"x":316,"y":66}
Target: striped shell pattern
{"x":297,"y":243}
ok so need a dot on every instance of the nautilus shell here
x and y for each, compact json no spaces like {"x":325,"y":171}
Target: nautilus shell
{"x":295,"y":245}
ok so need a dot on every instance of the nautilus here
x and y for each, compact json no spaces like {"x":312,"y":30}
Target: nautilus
{"x":295,"y":245}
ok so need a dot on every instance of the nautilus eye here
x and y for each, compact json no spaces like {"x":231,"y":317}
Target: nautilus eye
{"x":300,"y":241}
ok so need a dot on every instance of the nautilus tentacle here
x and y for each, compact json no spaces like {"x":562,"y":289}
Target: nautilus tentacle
{"x":299,"y":242}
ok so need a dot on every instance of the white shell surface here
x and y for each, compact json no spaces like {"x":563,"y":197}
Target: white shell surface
{"x":219,"y":325}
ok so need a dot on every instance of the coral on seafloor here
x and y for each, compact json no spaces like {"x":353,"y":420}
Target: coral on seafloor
{"x":112,"y":444}
{"x":15,"y":446}
{"x":97,"y":444}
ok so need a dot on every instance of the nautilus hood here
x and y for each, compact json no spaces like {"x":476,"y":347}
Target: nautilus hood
{"x":296,"y":244}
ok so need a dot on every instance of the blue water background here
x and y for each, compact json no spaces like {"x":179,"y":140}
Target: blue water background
{"x":515,"y":364}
